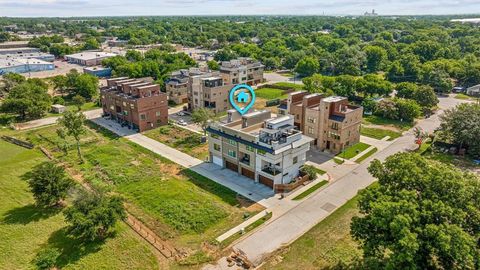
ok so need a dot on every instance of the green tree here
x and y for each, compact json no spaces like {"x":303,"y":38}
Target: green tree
{"x":307,"y":66}
{"x":422,"y":214}
{"x":92,"y":216}
{"x":213,"y":65}
{"x":425,"y":96}
{"x":29,"y":101}
{"x":60,"y":83}
{"x":461,"y":126}
{"x":11,"y":80}
{"x":78,"y":101}
{"x":47,"y":258}
{"x":86,"y":86}
{"x":91,"y":44}
{"x":406,"y":89}
{"x":202,"y":117}
{"x":73,"y":124}
{"x":408,"y":109}
{"x":48,"y":183}
{"x":376,"y":57}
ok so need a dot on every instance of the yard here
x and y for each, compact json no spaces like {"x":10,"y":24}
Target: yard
{"x":324,"y":246}
{"x":179,"y":205}
{"x":181,"y":139}
{"x":353,"y":150}
{"x":380,"y":121}
{"x":26,"y":228}
{"x":296,"y":86}
{"x":270,"y":93}
{"x":378,"y":133}
{"x":85,"y":107}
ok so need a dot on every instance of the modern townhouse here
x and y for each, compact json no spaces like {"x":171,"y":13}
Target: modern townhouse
{"x":332,"y":122}
{"x":135,"y":103}
{"x":243,"y":70}
{"x":177,"y":85}
{"x":267,"y":150}
{"x":207,"y":90}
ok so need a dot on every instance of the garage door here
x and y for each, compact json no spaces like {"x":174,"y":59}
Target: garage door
{"x":217,"y":160}
{"x":266,"y":181}
{"x":231,"y":166}
{"x":248,"y":173}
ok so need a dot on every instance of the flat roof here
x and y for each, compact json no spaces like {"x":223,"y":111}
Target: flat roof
{"x":333,"y":99}
{"x":95,"y":68}
{"x":90,"y":55}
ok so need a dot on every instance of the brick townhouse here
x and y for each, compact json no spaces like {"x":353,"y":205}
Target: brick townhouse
{"x":136,"y":103}
{"x":332,"y":122}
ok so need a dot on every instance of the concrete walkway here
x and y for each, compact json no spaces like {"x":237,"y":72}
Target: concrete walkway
{"x":243,"y":225}
{"x":52,"y":120}
{"x":364,"y":152}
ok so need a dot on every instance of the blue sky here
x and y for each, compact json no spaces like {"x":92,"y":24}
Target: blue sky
{"x":65,"y":8}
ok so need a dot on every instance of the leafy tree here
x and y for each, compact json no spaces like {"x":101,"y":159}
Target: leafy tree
{"x":47,"y":258}
{"x":213,"y":65}
{"x":461,"y":126}
{"x":387,"y":109}
{"x":11,"y":80}
{"x":72,"y":124}
{"x":86,"y":85}
{"x":91,"y":44}
{"x":48,"y":183}
{"x":134,"y":56}
{"x":408,"y":110}
{"x":202,"y":117}
{"x":60,"y":83}
{"x":425,"y":96}
{"x":437,"y":78}
{"x":307,"y":66}
{"x":422,"y":214}
{"x":225,"y":55}
{"x":29,"y":101}
{"x":372,"y":85}
{"x":92,"y":216}
{"x":406,"y":89}
{"x":376,"y":57}
{"x":310,"y":170}
{"x":78,"y":101}
{"x":349,"y":61}
{"x":368,"y":105}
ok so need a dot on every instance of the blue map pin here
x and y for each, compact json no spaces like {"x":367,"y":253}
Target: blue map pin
{"x":242,"y":97}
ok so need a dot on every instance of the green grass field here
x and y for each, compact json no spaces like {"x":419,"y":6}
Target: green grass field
{"x":324,"y":246}
{"x":310,"y":190}
{"x":379,"y":134}
{"x":177,"y":204}
{"x":295,"y":86}
{"x":181,"y":139}
{"x":377,"y":120}
{"x":353,"y":150}
{"x":366,"y":155}
{"x":270,"y":93}
{"x":26,"y":228}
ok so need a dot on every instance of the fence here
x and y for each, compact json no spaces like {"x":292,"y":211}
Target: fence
{"x":18,"y":142}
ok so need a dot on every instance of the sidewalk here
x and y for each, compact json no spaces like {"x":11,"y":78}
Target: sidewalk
{"x":52,"y":120}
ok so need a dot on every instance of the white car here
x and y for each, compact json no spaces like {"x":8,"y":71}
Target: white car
{"x":182,"y":122}
{"x":181,"y":114}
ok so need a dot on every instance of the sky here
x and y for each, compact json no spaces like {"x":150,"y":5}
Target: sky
{"x":69,"y":8}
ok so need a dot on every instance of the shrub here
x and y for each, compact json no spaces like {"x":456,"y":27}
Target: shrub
{"x":47,"y":258}
{"x":309,"y":170}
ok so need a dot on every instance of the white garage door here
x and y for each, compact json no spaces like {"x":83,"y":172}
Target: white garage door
{"x":217,"y":160}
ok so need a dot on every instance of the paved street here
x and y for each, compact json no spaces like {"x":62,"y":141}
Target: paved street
{"x":301,"y":218}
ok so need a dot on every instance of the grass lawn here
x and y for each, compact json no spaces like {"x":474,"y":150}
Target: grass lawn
{"x":181,"y":139}
{"x":310,"y":190}
{"x":180,"y":206}
{"x":324,"y":246}
{"x":353,"y":150}
{"x":26,"y":228}
{"x":249,"y":228}
{"x":369,"y":153}
{"x":462,"y":96}
{"x":338,"y":161}
{"x":379,"y":134}
{"x":270,"y":93}
{"x":377,"y":120}
{"x":295,"y":86}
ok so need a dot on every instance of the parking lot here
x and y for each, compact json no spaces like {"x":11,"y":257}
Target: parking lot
{"x":61,"y":68}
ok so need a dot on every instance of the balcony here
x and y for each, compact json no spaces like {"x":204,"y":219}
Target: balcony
{"x":272,"y":170}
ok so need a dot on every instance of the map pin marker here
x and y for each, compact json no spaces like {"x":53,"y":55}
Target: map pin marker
{"x":242,"y":94}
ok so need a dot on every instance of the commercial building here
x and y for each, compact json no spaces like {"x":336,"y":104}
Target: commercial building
{"x":135,"y":103}
{"x":100,"y":72}
{"x":208,"y":90}
{"x":243,"y":70}
{"x":265,"y":149}
{"x":14,"y":44}
{"x":332,"y":122}
{"x":23,"y":65}
{"x":88,"y":58}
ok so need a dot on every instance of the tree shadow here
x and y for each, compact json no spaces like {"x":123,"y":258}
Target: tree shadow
{"x":72,"y":248}
{"x":28,"y":213}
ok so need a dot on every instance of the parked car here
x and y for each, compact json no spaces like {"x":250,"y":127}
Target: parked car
{"x":181,"y":114}
{"x":182,"y":122}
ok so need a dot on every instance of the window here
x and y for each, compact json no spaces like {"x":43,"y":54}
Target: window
{"x":232,"y":153}
{"x":157,"y":114}
{"x":310,"y":130}
{"x":249,"y":148}
{"x":311,"y":120}
{"x":125,"y":112}
{"x":143,"y":116}
{"x":232,"y":142}
{"x":216,"y":147}
{"x":295,"y":160}
{"x":335,"y":126}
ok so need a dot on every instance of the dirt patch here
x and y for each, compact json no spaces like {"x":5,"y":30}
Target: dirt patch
{"x":384,"y":127}
{"x":249,"y":205}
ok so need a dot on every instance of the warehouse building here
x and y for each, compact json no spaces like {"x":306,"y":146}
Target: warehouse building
{"x":88,"y":58}
{"x":23,"y":65}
